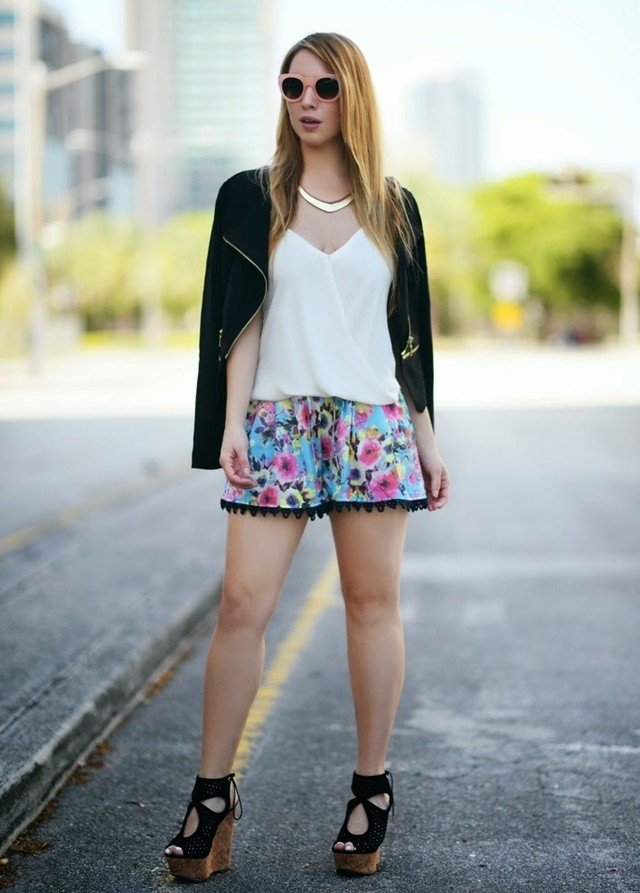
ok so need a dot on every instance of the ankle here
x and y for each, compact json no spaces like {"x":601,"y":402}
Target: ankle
{"x":212,"y":771}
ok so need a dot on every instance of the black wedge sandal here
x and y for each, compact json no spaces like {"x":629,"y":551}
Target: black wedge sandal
{"x":208,"y":848}
{"x":365,"y":858}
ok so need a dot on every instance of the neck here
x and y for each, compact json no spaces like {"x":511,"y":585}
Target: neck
{"x":323,"y":171}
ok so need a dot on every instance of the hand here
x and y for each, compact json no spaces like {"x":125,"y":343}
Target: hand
{"x":234,"y":452}
{"x":436,"y":476}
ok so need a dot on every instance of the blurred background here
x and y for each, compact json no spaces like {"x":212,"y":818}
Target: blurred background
{"x":516,"y":126}
{"x":512,"y":123}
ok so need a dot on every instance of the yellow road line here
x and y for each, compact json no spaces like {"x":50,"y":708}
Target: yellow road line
{"x":65,"y":519}
{"x":322,"y":596}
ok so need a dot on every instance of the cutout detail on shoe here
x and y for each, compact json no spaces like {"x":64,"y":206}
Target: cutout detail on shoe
{"x":385,"y":809}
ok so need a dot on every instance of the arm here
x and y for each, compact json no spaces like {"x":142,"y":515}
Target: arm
{"x":421,"y":420}
{"x":242,"y":363}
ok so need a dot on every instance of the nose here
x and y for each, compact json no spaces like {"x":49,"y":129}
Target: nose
{"x":308,"y":96}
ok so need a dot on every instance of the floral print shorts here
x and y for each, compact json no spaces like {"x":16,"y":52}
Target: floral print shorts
{"x":311,"y":454}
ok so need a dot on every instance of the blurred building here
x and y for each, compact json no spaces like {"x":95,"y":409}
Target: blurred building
{"x":446,"y":127}
{"x":87,"y":163}
{"x":7,"y":92}
{"x":204,"y":99}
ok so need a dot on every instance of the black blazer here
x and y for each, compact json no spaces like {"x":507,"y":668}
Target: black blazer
{"x":235,"y":287}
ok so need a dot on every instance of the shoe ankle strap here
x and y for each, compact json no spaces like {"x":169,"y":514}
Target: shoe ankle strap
{"x":204,"y":788}
{"x":365,"y":786}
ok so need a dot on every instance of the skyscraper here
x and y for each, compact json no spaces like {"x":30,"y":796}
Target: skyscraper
{"x":203,"y":105}
{"x":7,"y":89}
{"x":445,"y":116}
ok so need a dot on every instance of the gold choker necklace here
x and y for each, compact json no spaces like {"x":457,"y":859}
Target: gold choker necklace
{"x":326,"y":206}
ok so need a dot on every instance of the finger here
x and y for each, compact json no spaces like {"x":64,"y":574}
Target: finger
{"x":441,"y":500}
{"x":434,"y":484}
{"x":242,"y":470}
{"x":242,"y":466}
{"x":228,"y":462}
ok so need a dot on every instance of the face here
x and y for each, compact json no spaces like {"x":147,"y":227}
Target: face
{"x":327,"y":113}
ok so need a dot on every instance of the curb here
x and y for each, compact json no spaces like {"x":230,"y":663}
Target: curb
{"x":142,"y":642}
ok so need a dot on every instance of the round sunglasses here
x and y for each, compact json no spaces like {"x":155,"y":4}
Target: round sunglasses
{"x":292,"y":86}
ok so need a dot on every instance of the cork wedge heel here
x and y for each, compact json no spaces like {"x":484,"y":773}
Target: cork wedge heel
{"x":365,"y":858}
{"x":208,"y":848}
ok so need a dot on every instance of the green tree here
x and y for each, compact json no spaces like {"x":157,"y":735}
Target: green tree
{"x":570,"y":248}
{"x":96,"y":260}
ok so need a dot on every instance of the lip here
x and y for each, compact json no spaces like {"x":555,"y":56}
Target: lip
{"x":310,"y":125}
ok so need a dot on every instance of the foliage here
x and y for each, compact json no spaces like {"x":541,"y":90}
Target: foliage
{"x":570,"y":248}
{"x":115,"y":269}
{"x":7,"y":227}
{"x":95,"y":259}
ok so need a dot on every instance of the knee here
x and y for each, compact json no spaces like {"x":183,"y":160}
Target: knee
{"x":370,"y":604}
{"x":243,"y":606}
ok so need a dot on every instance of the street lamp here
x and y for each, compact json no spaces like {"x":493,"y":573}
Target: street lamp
{"x":37,"y":82}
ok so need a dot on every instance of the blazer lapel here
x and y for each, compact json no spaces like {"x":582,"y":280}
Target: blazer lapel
{"x":248,"y":231}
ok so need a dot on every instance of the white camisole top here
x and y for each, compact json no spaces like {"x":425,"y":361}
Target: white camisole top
{"x":324,"y":330}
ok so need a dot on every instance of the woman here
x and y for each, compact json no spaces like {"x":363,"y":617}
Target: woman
{"x":320,"y":400}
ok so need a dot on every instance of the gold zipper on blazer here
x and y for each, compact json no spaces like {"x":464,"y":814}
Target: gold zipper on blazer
{"x":261,"y":302}
{"x":409,"y":349}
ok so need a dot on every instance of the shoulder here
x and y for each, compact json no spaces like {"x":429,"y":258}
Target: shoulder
{"x":406,"y":200}
{"x":242,"y":194}
{"x":394,"y":184}
{"x":249,"y":181}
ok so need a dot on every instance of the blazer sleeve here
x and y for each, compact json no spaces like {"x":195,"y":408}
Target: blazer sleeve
{"x":211,"y":310}
{"x":423,"y":310}
{"x":207,"y":394}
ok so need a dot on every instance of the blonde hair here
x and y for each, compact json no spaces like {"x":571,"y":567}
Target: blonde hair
{"x":379,"y":201}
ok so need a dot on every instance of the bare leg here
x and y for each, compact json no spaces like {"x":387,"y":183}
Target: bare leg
{"x":369,"y":547}
{"x":259,"y":551}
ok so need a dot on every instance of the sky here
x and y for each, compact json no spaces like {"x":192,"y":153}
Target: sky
{"x":559,"y":79}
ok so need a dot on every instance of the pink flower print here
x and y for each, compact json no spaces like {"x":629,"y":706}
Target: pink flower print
{"x":327,"y":447}
{"x":361,"y":415}
{"x":393,"y":410}
{"x":304,"y":417}
{"x":342,"y":429}
{"x":286,"y":466}
{"x":369,"y":451}
{"x":270,"y":411}
{"x":269,"y":496}
{"x":385,"y":485}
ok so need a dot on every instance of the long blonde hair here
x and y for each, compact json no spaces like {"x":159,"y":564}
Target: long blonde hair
{"x":379,"y":202}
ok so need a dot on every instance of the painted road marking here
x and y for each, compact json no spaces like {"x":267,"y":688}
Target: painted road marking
{"x":276,"y":676}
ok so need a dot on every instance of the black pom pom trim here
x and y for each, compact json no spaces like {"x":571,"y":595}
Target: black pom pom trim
{"x":317,"y":511}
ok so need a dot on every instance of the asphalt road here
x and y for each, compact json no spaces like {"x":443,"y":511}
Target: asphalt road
{"x":516,"y":750}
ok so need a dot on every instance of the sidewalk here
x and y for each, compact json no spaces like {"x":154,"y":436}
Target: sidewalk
{"x":88,"y":615}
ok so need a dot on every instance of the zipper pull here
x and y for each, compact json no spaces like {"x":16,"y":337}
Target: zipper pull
{"x":409,"y":349}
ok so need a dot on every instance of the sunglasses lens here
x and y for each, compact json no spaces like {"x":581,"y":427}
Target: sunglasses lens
{"x":292,"y":88}
{"x":327,"y":88}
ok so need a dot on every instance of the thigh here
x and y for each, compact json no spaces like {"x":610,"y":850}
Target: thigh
{"x":258,"y":554}
{"x":369,"y":548}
